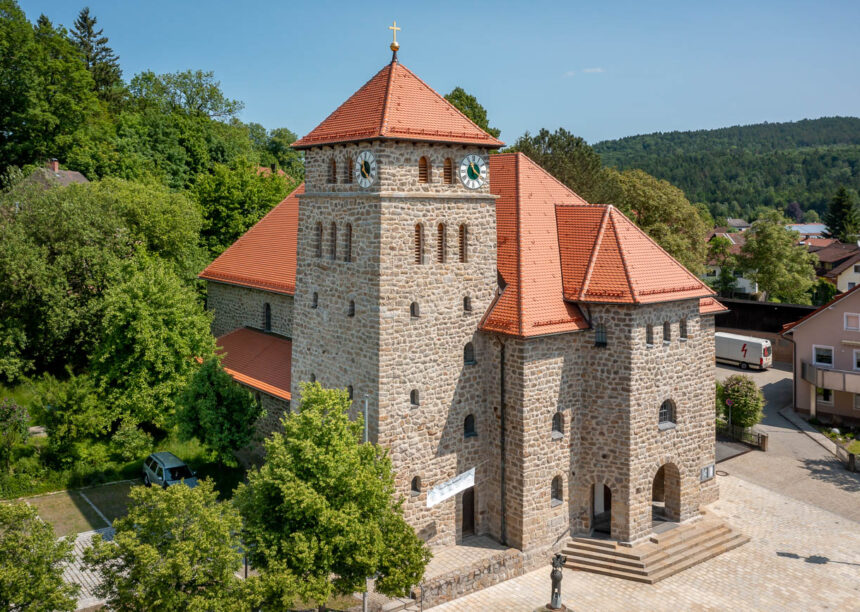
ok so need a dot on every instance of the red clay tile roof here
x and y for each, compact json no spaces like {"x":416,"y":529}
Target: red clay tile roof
{"x":397,"y":104}
{"x":834,"y":252}
{"x":605,"y":258}
{"x":709,"y":305}
{"x":532,"y":302}
{"x":818,"y":243}
{"x":258,"y":360}
{"x":789,"y":326}
{"x":265,"y":256}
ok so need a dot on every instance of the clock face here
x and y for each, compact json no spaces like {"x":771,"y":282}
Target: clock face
{"x":473,"y":171}
{"x":365,"y":169}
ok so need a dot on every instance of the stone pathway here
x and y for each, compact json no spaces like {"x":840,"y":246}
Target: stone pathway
{"x":76,"y":574}
{"x":801,"y":557}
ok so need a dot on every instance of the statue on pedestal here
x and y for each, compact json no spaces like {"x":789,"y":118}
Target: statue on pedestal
{"x":558,"y":562}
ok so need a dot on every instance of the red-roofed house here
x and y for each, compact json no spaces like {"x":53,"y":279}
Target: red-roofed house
{"x":497,"y":326}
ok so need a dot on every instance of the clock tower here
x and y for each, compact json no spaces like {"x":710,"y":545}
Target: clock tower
{"x":396,"y":265}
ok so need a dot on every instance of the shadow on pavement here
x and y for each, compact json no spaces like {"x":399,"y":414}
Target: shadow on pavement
{"x":830,"y":470}
{"x":815,"y":559}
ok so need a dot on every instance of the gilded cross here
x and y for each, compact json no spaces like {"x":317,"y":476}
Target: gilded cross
{"x":394,"y":30}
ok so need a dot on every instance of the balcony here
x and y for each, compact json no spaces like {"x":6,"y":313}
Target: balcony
{"x":831,"y":378}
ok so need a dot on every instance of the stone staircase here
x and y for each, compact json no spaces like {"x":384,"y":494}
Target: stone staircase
{"x":662,"y":556}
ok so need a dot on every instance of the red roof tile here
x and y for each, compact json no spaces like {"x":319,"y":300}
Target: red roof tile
{"x":605,"y":258}
{"x":259,"y":360}
{"x":397,"y":104}
{"x":265,"y":256}
{"x":532,"y":302}
{"x":709,"y":305}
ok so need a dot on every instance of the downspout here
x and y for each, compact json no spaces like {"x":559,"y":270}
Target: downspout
{"x":503,"y":526}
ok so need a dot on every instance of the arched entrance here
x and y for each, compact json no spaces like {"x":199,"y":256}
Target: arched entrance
{"x":601,"y":509}
{"x":468,"y":516}
{"x":666,"y":494}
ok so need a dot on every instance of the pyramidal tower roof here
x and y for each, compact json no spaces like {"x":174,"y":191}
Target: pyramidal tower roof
{"x":396,"y":104}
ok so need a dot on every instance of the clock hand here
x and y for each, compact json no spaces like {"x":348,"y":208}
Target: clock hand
{"x":364,"y":171}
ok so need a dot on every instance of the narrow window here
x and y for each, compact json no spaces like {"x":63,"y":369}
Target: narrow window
{"x":440,"y":243}
{"x":414,"y":399}
{"x":555,"y":492}
{"x":464,"y":235}
{"x":667,"y":332}
{"x":557,"y":426}
{"x":667,"y":413}
{"x":319,"y":236}
{"x":600,"y":335}
{"x":351,"y":310}
{"x":423,"y":170}
{"x":347,"y":170}
{"x":416,"y":486}
{"x":449,"y":171}
{"x":349,"y":392}
{"x":332,"y":171}
{"x":469,"y":428}
{"x":419,"y":244}
{"x":315,"y":300}
{"x":649,"y":335}
{"x":414,"y":310}
{"x":682,"y":329}
{"x":467,"y":304}
{"x":267,"y":317}
{"x":332,"y":249}
{"x":469,"y":354}
{"x":313,"y":378}
{"x":347,"y":243}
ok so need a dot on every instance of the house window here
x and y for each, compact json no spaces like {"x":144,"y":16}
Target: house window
{"x":423,"y":170}
{"x":419,"y":244}
{"x":555,"y":492}
{"x":351,"y":310}
{"x":315,"y":300}
{"x":414,"y":310}
{"x":649,"y":335}
{"x":822,"y":355}
{"x":857,"y":401}
{"x":267,"y":317}
{"x":467,"y":304}
{"x":600,"y":335}
{"x":440,"y":243}
{"x":682,"y":329}
{"x":851,"y":286}
{"x":852,"y":321}
{"x":667,"y":332}
{"x":332,"y":171}
{"x":318,"y":245}
{"x":469,"y":428}
{"x":667,"y":414}
{"x":711,"y":273}
{"x":856,"y":268}
{"x":557,"y":426}
{"x":332,"y":249}
{"x":469,"y":354}
{"x":414,"y":398}
{"x":448,"y":172}
{"x":737,"y":273}
{"x":823,"y":396}
{"x":313,"y":378}
{"x":463,"y":243}
{"x":347,"y":171}
{"x":415,"y":488}
{"x":856,"y":359}
{"x":347,"y":243}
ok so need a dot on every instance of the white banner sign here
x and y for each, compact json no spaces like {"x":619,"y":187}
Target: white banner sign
{"x":450,"y":488}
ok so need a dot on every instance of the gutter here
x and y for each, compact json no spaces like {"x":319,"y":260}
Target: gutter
{"x":503,"y":536}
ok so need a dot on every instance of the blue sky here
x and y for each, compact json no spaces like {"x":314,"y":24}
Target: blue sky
{"x":599,"y":69}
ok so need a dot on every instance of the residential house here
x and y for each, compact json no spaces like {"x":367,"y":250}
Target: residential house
{"x":838,"y":263}
{"x":743,"y":284}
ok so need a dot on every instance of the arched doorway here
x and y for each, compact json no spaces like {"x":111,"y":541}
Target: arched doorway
{"x":468,"y":516}
{"x":666,"y":494}
{"x":601,"y":509}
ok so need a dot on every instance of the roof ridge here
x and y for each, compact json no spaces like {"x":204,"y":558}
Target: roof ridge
{"x":598,"y":241}
{"x":623,"y":259}
{"x":549,"y":174}
{"x":519,"y":247}
{"x":383,"y":120}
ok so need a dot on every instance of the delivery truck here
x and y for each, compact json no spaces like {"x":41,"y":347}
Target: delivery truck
{"x":743,"y":351}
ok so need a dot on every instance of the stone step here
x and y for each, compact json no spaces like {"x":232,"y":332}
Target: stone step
{"x":584,"y":553}
{"x":596,"y":542}
{"x":615,"y":573}
{"x":609,"y":564}
{"x":682,"y":554}
{"x":618,"y":551}
{"x":709,"y":553}
{"x":682,"y":531}
{"x":663,"y":551}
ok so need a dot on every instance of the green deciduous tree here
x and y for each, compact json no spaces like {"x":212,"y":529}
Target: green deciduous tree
{"x":720,"y":255}
{"x":218,"y":412}
{"x":13,"y":429}
{"x":194,"y":92}
{"x":322,"y":508}
{"x":153,"y":329}
{"x":31,"y":563}
{"x":772,"y":257}
{"x":177,"y":549}
{"x":739,"y":397}
{"x":842,"y":217}
{"x":468,"y":105}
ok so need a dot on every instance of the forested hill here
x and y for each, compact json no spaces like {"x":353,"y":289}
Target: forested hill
{"x":738,"y":169}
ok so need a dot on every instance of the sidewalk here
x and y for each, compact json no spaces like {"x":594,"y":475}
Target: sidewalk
{"x":796,"y":420}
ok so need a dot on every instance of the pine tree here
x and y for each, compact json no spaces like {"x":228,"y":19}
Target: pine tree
{"x":100,"y":59}
{"x":842,"y":217}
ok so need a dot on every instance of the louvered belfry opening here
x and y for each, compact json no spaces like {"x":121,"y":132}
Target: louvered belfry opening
{"x":419,"y":244}
{"x":423,"y":170}
{"x":347,"y":171}
{"x":448,"y":171}
{"x":440,"y":243}
{"x":463,"y":239}
{"x":332,"y":171}
{"x":347,"y":243}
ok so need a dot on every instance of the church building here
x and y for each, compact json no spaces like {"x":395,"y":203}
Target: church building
{"x":497,"y":327}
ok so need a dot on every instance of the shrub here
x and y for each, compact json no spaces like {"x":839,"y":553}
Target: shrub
{"x":13,"y":429}
{"x":130,"y":442}
{"x":742,"y":400}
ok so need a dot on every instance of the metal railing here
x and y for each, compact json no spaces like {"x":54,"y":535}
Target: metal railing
{"x":743,"y":434}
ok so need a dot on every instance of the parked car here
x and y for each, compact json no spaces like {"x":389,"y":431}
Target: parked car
{"x":165,"y":469}
{"x":743,"y":351}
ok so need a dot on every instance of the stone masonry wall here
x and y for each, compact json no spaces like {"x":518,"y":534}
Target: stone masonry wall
{"x":264,"y":427}
{"x":236,"y":307}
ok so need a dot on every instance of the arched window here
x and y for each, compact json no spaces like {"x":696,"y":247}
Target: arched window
{"x":469,"y":428}
{"x":423,"y":170}
{"x":351,"y":310}
{"x":414,"y":310}
{"x":649,"y":335}
{"x":557,"y":425}
{"x":419,"y":243}
{"x":448,"y":172}
{"x":414,"y":398}
{"x":349,"y":392}
{"x":319,"y":236}
{"x":416,"y":486}
{"x":667,"y":332}
{"x":600,"y":335}
{"x":332,"y":249}
{"x":332,"y":171}
{"x":682,"y":329}
{"x":555,"y":491}
{"x":267,"y":317}
{"x":313,"y":378}
{"x":440,"y":243}
{"x":347,"y":170}
{"x":469,"y":354}
{"x":464,"y":243}
{"x":667,"y":413}
{"x":315,"y":300}
{"x":467,"y":304}
{"x":347,"y":243}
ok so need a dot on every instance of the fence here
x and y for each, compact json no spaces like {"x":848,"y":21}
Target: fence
{"x":743,"y":434}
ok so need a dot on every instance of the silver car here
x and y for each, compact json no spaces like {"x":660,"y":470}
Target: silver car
{"x":165,"y":469}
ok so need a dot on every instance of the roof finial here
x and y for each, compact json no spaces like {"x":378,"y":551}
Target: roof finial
{"x":394,"y":45}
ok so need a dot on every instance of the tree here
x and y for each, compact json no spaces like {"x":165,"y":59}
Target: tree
{"x":73,"y":413}
{"x":842,"y":217}
{"x":99,"y":58}
{"x":739,"y":397}
{"x":193,"y":92}
{"x":321,"y":509}
{"x":287,"y":158}
{"x":31,"y":563}
{"x":720,"y":255}
{"x":177,"y":549}
{"x":218,"y":412}
{"x":772,"y":257}
{"x":823,"y":291}
{"x":811,"y":216}
{"x":794,"y":211}
{"x":469,"y":106}
{"x":13,"y":429}
{"x":153,"y":328}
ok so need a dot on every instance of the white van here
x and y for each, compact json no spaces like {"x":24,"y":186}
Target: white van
{"x":743,"y":351}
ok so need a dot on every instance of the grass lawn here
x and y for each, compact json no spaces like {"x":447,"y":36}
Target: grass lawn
{"x":854,"y":447}
{"x":68,"y":512}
